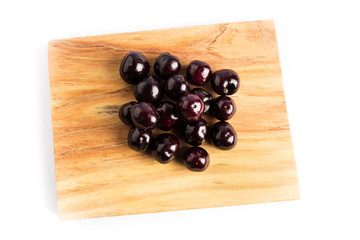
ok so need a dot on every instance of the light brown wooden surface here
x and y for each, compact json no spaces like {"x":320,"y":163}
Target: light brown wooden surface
{"x":98,"y":175}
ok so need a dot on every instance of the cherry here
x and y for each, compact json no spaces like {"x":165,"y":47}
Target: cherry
{"x":134,"y":67}
{"x":166,"y":65}
{"x":125,"y":113}
{"x":139,"y":140}
{"x":166,"y":147}
{"x":148,"y":90}
{"x":223,"y":136}
{"x":198,"y":73}
{"x":190,"y":107}
{"x":168,"y":116}
{"x":225,"y":82}
{"x":144,"y":115}
{"x":195,"y":133}
{"x":196,"y":159}
{"x":224,"y":108}
{"x":175,"y":86}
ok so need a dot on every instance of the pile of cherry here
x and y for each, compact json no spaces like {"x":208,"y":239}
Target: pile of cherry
{"x":186,"y":113}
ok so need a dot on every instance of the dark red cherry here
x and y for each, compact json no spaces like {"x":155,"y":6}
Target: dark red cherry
{"x":195,"y":133}
{"x":166,"y":65}
{"x":223,"y":135}
{"x":225,"y":82}
{"x":134,"y":67}
{"x":198,"y":73}
{"x":144,"y":115}
{"x":166,"y":147}
{"x":205,"y":96}
{"x":175,"y":86}
{"x":148,"y":90}
{"x":190,"y":107}
{"x":224,"y":108}
{"x":196,"y":159}
{"x":125,"y":112}
{"x":138,"y":139}
{"x":168,"y":116}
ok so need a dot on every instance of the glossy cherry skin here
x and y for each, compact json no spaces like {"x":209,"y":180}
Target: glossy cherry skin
{"x":125,"y":113}
{"x":225,"y":82}
{"x":166,"y":65}
{"x":223,"y":136}
{"x":190,"y":107}
{"x":166,"y":147}
{"x":148,"y":90}
{"x":205,"y":96}
{"x":138,"y":139}
{"x":175,"y":86}
{"x":144,"y":115}
{"x":224,"y":108}
{"x":196,"y":159}
{"x":168,"y":116}
{"x":195,"y":133}
{"x":134,"y":67}
{"x":198,"y":73}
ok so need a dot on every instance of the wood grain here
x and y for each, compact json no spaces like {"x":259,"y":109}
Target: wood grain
{"x":98,"y":175}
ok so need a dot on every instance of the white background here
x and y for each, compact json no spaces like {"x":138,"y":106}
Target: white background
{"x":319,"y":50}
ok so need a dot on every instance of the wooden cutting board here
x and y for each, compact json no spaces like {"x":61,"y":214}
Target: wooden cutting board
{"x":98,"y":175}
